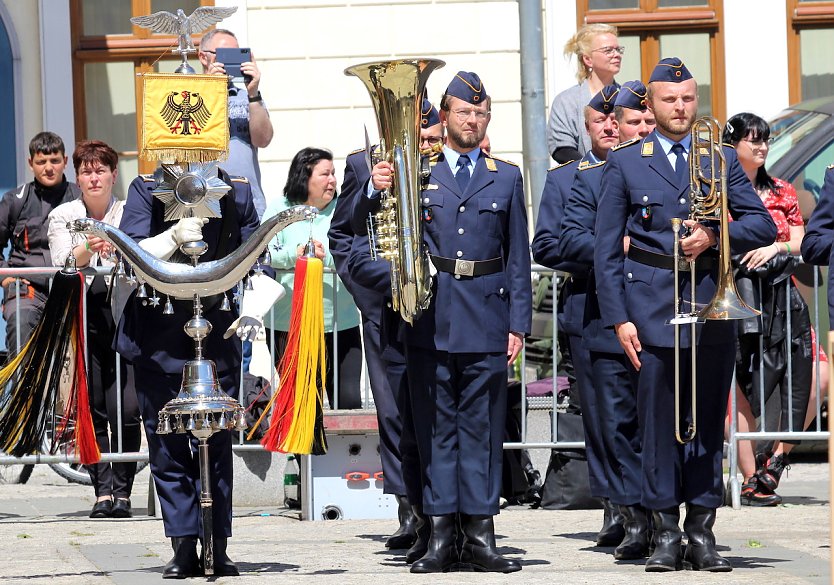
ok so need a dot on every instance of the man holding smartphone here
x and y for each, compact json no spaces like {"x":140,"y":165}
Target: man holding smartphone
{"x":249,"y":125}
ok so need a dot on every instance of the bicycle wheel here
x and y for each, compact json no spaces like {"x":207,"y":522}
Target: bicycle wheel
{"x":72,"y":472}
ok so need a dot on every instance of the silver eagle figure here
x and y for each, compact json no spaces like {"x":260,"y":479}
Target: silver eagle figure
{"x":167,"y":23}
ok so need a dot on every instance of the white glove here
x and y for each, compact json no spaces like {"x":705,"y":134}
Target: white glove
{"x":188,"y":229}
{"x":256,"y":302}
{"x":261,"y":363}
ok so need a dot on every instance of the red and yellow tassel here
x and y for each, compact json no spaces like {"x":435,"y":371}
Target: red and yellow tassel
{"x":297,"y":424}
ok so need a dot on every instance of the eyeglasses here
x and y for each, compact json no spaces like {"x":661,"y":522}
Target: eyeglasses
{"x":757,"y":143}
{"x":609,"y":51}
{"x":208,"y":51}
{"x":431,"y":140}
{"x":464,"y":114}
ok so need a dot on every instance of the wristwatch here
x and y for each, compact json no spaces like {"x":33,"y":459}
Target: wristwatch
{"x":257,"y":98}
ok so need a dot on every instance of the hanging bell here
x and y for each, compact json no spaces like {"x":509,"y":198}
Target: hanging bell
{"x":247,"y":284}
{"x":120,"y":268}
{"x":267,"y":257}
{"x":179,"y":426}
{"x":240,"y":422}
{"x":222,"y":423}
{"x":212,"y":422}
{"x":225,"y":305}
{"x":164,"y":426}
{"x":190,"y":426}
{"x":142,"y":292}
{"x":169,"y":306}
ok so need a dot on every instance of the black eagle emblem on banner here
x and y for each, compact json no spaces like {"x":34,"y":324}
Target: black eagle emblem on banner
{"x":189,"y":116}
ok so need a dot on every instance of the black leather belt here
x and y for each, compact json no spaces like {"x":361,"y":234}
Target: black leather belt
{"x":467,"y":267}
{"x":668,"y":262}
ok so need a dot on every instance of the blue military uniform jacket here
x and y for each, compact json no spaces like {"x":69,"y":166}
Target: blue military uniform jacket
{"x":546,"y":250}
{"x":819,"y":236}
{"x":341,"y":235}
{"x":156,"y":341}
{"x":577,"y":243}
{"x":641,"y":192}
{"x":488,"y":220}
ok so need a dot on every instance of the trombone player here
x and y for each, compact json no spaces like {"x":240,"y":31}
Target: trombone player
{"x":645,"y":185}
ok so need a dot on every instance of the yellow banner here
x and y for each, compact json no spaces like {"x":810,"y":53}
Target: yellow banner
{"x":185,"y":117}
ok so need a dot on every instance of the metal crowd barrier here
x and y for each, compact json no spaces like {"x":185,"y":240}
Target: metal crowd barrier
{"x":548,"y":405}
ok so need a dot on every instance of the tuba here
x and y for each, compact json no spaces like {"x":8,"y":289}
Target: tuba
{"x":705,"y":204}
{"x":396,"y":90}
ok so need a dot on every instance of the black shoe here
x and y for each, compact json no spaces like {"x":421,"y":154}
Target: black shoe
{"x":635,"y":545}
{"x":406,"y":534}
{"x":121,"y":508}
{"x":441,"y":554}
{"x":755,"y":494}
{"x":479,"y":547}
{"x":667,"y":541}
{"x":421,"y":543}
{"x":770,"y":474}
{"x":612,"y":531}
{"x":185,"y":562}
{"x":700,"y":550}
{"x":102,"y":509}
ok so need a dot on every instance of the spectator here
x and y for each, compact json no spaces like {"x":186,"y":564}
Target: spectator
{"x":312,"y":181}
{"x":770,"y":268}
{"x":599,"y":55}
{"x":95,"y":168}
{"x":23,"y":220}
{"x":249,"y":125}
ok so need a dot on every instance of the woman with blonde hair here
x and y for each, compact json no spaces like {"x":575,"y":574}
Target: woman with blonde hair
{"x":599,"y":56}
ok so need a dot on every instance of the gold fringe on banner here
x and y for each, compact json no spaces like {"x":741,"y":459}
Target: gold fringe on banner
{"x":184,"y":117}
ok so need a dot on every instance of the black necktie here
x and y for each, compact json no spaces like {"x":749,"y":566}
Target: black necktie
{"x":680,"y":162}
{"x":462,"y":176}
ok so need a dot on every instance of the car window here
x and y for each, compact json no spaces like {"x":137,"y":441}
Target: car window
{"x":808,"y":181}
{"x":788,"y":128}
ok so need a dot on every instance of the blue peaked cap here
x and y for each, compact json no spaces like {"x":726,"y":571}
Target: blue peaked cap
{"x":467,"y":86}
{"x":428,"y":115}
{"x":670,"y":69}
{"x":632,"y":95}
{"x":603,"y":102}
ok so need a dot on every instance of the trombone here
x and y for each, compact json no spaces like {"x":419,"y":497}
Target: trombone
{"x":708,"y":204}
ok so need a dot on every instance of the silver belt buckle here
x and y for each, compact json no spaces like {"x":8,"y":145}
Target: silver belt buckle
{"x":683,"y":264}
{"x":464,"y":268}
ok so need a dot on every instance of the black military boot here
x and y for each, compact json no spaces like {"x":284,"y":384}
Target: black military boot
{"x":667,"y":541}
{"x":423,"y":531}
{"x":612,"y":531}
{"x":479,"y":547}
{"x":185,"y":562}
{"x":441,"y":554}
{"x":406,"y":534}
{"x":635,"y":545}
{"x":700,"y":551}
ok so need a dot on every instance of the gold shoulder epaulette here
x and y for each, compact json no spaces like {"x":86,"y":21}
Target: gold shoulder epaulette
{"x":148,"y":178}
{"x":626,"y":143}
{"x":560,"y":165}
{"x":509,"y":162}
{"x":239,"y":179}
{"x":730,"y":145}
{"x":355,"y":151}
{"x":829,"y":167}
{"x":591,"y":165}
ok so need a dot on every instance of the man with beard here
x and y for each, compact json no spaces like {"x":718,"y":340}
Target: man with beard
{"x":644,"y":186}
{"x":610,"y":374}
{"x":457,"y":352}
{"x":386,"y":367}
{"x":601,"y":126}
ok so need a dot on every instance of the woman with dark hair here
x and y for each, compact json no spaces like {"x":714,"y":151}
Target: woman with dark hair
{"x":769,"y":269}
{"x":312,"y":181}
{"x":95,"y":168}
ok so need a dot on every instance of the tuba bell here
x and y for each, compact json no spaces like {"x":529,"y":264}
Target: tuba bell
{"x":396,"y":90}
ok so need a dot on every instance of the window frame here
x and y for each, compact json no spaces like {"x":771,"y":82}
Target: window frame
{"x":803,"y":16}
{"x":650,"y":19}
{"x":142,"y":47}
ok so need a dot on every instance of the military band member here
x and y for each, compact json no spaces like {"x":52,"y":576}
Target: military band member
{"x":158,"y":347}
{"x":602,"y":128}
{"x":611,"y":375}
{"x":644,"y":185}
{"x":399,"y":467}
{"x":457,"y":352}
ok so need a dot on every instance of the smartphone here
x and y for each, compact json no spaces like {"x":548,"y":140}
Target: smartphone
{"x":231,"y":59}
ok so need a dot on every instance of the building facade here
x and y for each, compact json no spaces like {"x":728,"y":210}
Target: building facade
{"x":71,"y":65}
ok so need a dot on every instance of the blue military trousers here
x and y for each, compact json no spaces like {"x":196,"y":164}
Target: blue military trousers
{"x":459,"y":405}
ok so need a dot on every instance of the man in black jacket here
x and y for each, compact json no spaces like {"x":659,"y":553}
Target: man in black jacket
{"x":23,"y":212}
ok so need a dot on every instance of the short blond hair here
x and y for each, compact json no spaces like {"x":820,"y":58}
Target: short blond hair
{"x":580,"y":44}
